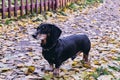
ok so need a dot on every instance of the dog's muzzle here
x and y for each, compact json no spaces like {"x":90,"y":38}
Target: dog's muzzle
{"x":39,"y":36}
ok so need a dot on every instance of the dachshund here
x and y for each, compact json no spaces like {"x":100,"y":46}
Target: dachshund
{"x":57,"y":50}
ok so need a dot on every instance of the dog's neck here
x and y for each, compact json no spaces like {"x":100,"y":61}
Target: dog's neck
{"x":49,"y":48}
{"x":50,"y":44}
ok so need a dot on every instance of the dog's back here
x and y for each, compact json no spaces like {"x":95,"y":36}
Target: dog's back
{"x":71,"y":45}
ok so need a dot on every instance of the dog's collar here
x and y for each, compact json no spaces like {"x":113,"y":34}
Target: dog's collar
{"x":48,"y":49}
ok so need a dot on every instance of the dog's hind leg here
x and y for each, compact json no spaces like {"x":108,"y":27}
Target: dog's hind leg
{"x":73,"y":57}
{"x":85,"y":57}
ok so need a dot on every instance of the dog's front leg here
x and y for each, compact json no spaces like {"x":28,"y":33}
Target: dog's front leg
{"x":85,"y":57}
{"x":56,"y":70}
{"x":51,"y":67}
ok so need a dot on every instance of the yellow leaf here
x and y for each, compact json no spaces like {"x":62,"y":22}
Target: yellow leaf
{"x":63,"y":70}
{"x":62,"y":18}
{"x":30,"y":54}
{"x":93,"y":68}
{"x":112,"y":57}
{"x":113,"y":51}
{"x":64,"y":9}
{"x":74,"y":63}
{"x":87,"y":65}
{"x":20,"y":23}
{"x":50,"y":14}
{"x":103,"y":60}
{"x":93,"y":21}
{"x":16,"y":28}
{"x":30,"y":70}
{"x":96,"y":62}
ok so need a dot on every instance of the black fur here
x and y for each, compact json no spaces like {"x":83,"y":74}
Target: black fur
{"x":56,"y":50}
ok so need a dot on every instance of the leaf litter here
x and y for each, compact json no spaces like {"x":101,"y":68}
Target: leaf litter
{"x":20,"y":55}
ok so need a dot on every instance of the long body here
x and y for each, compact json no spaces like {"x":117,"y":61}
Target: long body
{"x":66,"y":48}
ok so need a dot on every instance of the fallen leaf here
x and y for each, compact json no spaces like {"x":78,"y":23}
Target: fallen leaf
{"x":105,"y":77}
{"x":96,"y":62}
{"x":20,"y":65}
{"x":4,"y":70}
{"x":30,"y":70}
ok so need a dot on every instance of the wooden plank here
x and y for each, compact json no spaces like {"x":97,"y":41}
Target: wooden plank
{"x":60,"y":3}
{"x":56,"y":4}
{"x":49,"y":3}
{"x":45,"y":5}
{"x":36,"y":7}
{"x":52,"y":4}
{"x":63,"y":3}
{"x":21,"y":11}
{"x":9,"y":8}
{"x":32,"y":6}
{"x":41,"y":5}
{"x":27,"y":7}
{"x":3,"y":9}
{"x":15,"y":7}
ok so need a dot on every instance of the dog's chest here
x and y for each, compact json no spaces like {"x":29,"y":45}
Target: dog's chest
{"x":50,"y":56}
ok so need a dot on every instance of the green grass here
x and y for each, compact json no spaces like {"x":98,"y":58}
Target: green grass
{"x":93,"y":1}
{"x":118,"y":59}
{"x":114,"y":68}
{"x":100,"y":71}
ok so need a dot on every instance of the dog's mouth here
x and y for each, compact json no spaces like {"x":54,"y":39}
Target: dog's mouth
{"x":42,"y":38}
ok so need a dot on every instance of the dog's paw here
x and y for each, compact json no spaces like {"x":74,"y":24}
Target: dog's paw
{"x":56,"y":72}
{"x":48,"y":68}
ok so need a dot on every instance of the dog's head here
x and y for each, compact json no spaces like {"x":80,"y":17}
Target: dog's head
{"x":45,"y":31}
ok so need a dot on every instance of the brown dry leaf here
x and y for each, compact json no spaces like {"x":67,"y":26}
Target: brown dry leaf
{"x":5,"y":70}
{"x":21,"y":65}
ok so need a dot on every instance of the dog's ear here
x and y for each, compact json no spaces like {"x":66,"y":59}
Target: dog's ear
{"x":56,"y":32}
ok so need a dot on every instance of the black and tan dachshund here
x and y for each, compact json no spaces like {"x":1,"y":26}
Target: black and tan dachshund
{"x":56,"y":50}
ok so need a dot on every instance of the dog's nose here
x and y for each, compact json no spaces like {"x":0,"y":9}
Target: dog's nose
{"x":34,"y":36}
